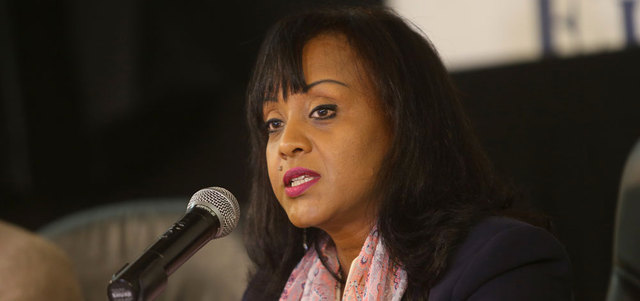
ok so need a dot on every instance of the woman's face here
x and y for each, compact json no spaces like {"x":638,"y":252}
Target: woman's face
{"x":326,"y":145}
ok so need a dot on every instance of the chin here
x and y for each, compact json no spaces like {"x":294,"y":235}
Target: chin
{"x":302,"y":221}
{"x":303,"y":212}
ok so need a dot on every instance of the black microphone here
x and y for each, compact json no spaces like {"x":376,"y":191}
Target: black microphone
{"x":211,"y":213}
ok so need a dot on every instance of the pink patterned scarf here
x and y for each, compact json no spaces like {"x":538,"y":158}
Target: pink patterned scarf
{"x":372,"y":275}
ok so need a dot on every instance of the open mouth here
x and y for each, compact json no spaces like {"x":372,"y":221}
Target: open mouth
{"x":297,"y":180}
{"x":300,"y":180}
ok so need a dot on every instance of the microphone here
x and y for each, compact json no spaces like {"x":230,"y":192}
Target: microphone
{"x":211,"y":213}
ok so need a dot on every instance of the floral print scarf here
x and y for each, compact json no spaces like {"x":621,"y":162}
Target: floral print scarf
{"x":372,"y":276}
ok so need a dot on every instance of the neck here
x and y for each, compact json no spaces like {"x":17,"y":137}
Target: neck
{"x":349,"y":241}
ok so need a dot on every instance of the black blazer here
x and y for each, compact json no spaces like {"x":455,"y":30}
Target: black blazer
{"x":501,"y":259}
{"x":505,"y":259}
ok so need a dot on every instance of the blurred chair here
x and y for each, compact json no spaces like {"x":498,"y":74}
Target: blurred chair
{"x":100,"y":241}
{"x":625,"y":277}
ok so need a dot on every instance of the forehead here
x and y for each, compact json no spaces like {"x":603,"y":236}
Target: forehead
{"x":325,"y":60}
{"x":330,"y":56}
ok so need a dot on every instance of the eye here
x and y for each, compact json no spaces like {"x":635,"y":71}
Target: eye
{"x":273,"y":125}
{"x":323,"y":112}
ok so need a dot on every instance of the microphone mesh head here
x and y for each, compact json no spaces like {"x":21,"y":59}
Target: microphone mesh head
{"x":221,"y":203}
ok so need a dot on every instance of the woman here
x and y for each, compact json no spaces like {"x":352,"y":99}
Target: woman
{"x":32,"y":268}
{"x":369,"y":183}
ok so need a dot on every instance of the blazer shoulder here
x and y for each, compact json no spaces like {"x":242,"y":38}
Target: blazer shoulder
{"x":506,"y":257}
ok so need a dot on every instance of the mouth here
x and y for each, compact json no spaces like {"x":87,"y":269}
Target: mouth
{"x":297,"y":180}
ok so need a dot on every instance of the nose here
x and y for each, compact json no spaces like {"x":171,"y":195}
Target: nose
{"x":294,"y":140}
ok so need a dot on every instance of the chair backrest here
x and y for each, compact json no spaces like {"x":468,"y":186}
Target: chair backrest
{"x":100,"y":241}
{"x":625,"y":276}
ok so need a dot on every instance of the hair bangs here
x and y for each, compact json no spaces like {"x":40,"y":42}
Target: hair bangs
{"x":278,"y":71}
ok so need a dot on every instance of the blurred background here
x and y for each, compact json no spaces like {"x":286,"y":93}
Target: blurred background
{"x":111,"y":101}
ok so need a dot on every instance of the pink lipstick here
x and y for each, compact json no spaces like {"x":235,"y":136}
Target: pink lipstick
{"x":297,"y":180}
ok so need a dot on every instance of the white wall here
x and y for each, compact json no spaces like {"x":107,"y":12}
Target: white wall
{"x":476,"y":33}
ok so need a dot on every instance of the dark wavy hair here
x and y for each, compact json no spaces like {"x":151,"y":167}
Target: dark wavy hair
{"x":436,"y":182}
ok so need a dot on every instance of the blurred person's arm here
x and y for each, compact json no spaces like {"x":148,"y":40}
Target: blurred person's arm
{"x":32,"y":268}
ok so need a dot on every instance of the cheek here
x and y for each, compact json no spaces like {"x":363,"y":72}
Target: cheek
{"x":353,"y":162}
{"x":363,"y":153}
{"x":272,"y":165}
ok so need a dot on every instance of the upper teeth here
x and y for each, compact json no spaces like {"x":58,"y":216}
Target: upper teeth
{"x":300,"y":180}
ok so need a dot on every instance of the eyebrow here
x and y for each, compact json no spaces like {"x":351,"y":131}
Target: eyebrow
{"x":311,"y":85}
